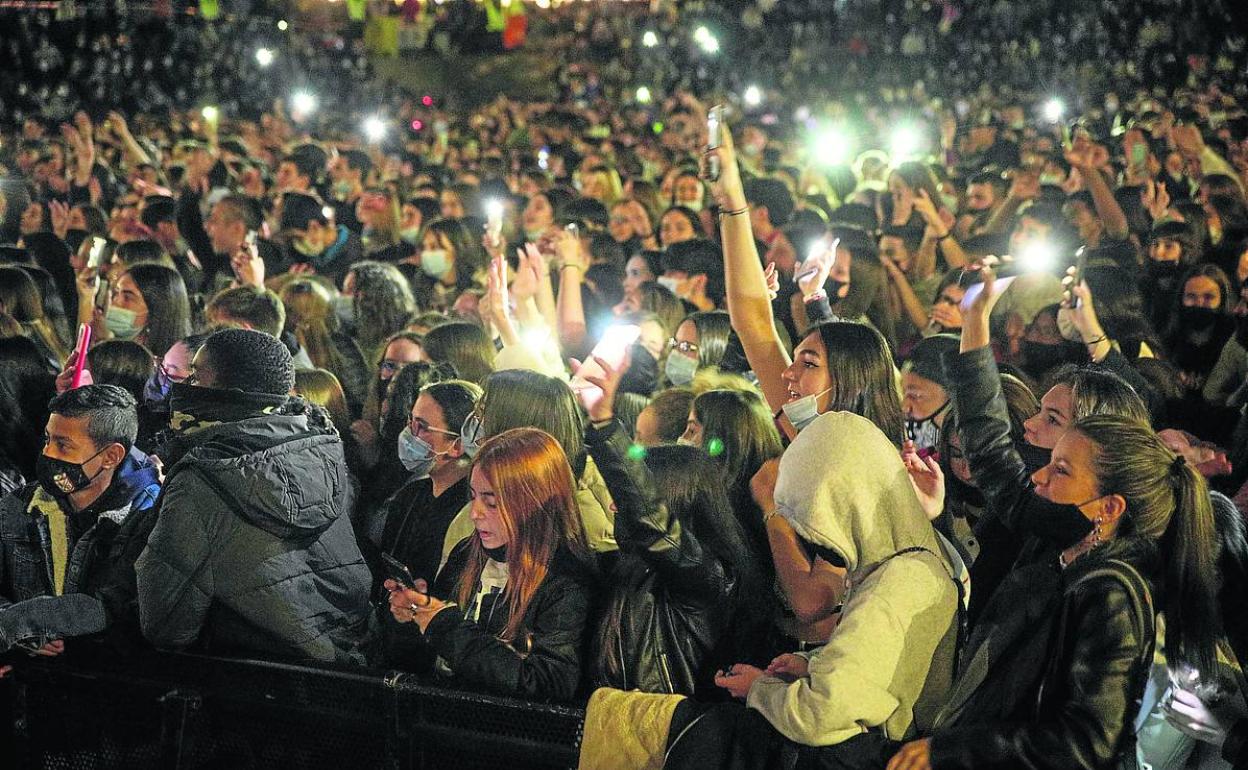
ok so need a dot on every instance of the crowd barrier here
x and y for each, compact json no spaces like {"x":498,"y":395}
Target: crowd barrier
{"x":93,"y":711}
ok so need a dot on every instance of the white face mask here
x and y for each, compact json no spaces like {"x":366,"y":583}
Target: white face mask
{"x":804,"y":410}
{"x":694,"y":206}
{"x":682,"y":441}
{"x":671,"y":284}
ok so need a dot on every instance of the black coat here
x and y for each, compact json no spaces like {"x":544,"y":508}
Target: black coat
{"x":676,"y":599}
{"x":1053,"y":670}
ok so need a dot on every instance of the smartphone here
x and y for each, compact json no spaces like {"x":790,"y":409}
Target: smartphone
{"x":1081,"y":264}
{"x":102,"y":294}
{"x":714,"y":138}
{"x":494,"y":218}
{"x":612,"y":348}
{"x":1139,"y":155}
{"x":1067,"y":139}
{"x":398,"y":572}
{"x":80,"y":355}
{"x":250,"y":241}
{"x":95,"y":257}
{"x":574,"y":229}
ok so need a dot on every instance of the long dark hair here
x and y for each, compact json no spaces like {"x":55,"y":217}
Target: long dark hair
{"x":1168,"y":507}
{"x":168,"y":309}
{"x":863,"y":374}
{"x":688,"y":484}
{"x":1232,"y":572}
{"x":26,"y":386}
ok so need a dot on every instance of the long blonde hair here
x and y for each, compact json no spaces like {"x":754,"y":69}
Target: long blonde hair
{"x":536,"y":498}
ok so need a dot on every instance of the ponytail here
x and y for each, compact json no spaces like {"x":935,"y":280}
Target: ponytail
{"x":1191,"y":605}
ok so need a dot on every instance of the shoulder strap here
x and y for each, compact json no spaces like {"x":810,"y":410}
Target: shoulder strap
{"x":960,"y":610}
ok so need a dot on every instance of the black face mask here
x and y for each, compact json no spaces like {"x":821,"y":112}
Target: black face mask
{"x":833,"y":288}
{"x":498,"y":554}
{"x":1034,"y":457}
{"x":61,"y":478}
{"x":1241,"y":330}
{"x":1061,"y":524}
{"x":1198,"y":319}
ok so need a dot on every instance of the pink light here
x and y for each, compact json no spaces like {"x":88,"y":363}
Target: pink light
{"x":417,"y":124}
{"x":426,"y":100}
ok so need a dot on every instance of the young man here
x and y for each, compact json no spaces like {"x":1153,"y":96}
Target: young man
{"x":253,"y":552}
{"x":69,"y":542}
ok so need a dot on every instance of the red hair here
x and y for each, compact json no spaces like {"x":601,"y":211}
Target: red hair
{"x":536,"y":498}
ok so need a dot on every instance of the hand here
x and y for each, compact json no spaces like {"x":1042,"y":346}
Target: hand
{"x":51,"y":649}
{"x":1156,"y":199}
{"x":915,"y":755}
{"x":526,"y":280}
{"x":772,"y":279}
{"x":492,"y":243}
{"x":738,"y":678}
{"x":496,"y":289}
{"x":981,"y":304}
{"x":408,"y":606}
{"x":602,"y":407}
{"x":118,"y":122}
{"x":1077,"y":306}
{"x":365,"y":435}
{"x":927,"y":209}
{"x":947,"y":315}
{"x":248,"y":266}
{"x":1207,"y":458}
{"x":1187,"y":713}
{"x":813,"y":273}
{"x":538,"y":260}
{"x":569,"y":251}
{"x":763,"y":485}
{"x":60,"y":218}
{"x":727,"y":191}
{"x":788,"y":667}
{"x":927,"y":479}
{"x":83,"y":123}
{"x":87,"y":283}
{"x":65,"y":380}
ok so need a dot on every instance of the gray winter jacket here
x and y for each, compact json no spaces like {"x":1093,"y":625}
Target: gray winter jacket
{"x":253,"y":553}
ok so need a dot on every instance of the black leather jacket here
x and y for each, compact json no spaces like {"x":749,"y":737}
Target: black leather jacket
{"x":675,"y":598}
{"x":1051,"y":676}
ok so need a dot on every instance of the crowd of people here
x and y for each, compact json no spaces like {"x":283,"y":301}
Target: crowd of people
{"x":936,"y":457}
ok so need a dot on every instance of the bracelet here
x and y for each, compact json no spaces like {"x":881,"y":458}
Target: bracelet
{"x":769,"y":515}
{"x":1097,"y":341}
{"x":572,"y":265}
{"x":942,"y":238}
{"x":600,"y":424}
{"x":734,"y":212}
{"x":815,"y":297}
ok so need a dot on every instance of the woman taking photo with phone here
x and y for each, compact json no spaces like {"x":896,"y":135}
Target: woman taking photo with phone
{"x":509,"y":610}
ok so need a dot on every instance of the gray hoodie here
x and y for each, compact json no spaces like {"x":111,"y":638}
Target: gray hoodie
{"x":889,"y":663}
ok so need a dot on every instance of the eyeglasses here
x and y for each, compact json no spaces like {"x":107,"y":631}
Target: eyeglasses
{"x":419,"y":426}
{"x":681,"y":346}
{"x":389,"y":367}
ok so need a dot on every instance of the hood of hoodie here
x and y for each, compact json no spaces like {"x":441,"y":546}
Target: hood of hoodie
{"x":286,"y":474}
{"x":842,"y":486}
{"x":136,"y":485}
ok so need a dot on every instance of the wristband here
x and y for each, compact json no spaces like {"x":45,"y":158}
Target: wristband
{"x":1097,"y":341}
{"x":942,"y":238}
{"x":604,"y":422}
{"x":733,"y":212}
{"x":815,"y":296}
{"x":769,"y":515}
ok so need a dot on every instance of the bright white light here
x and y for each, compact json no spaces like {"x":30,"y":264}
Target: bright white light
{"x":753,"y":96}
{"x":210,"y":113}
{"x":374,"y":128}
{"x":643,"y":95}
{"x":710,"y":44}
{"x":282,"y":25}
{"x":701,"y":34}
{"x":1054,"y":110}
{"x":905,"y":144}
{"x":303,"y":102}
{"x":649,"y":39}
{"x":327,"y":212}
{"x":831,"y":147}
{"x":494,"y":209}
{"x":264,"y":57}
{"x":1038,"y":257}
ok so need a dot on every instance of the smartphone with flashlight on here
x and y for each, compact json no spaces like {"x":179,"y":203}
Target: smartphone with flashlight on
{"x":714,"y":139}
{"x":494,"y":218}
{"x":612,"y":348}
{"x":95,"y":257}
{"x":1037,"y":257}
{"x":1081,"y":264}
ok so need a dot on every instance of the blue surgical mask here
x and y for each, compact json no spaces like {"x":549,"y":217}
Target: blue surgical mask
{"x":804,"y":410}
{"x":470,"y":435}
{"x":416,"y":454}
{"x":122,"y":323}
{"x":435,"y":262}
{"x":680,"y":369}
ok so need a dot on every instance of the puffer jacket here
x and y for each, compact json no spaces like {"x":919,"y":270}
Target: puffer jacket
{"x":1058,"y":658}
{"x":104,"y":541}
{"x":253,"y":552}
{"x":677,"y":617}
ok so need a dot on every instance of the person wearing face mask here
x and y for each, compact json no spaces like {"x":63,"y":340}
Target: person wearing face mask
{"x":700,"y":341}
{"x":411,"y":524}
{"x":691,"y":271}
{"x":72,"y":538}
{"x":924,"y":398}
{"x":1171,"y":252}
{"x":414,"y":215}
{"x":1201,"y":324}
{"x":311,"y":238}
{"x":1231,"y":370}
{"x":149,"y":305}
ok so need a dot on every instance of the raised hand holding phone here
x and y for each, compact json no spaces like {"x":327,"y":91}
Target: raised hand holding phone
{"x":82,"y":375}
{"x":609,"y":355}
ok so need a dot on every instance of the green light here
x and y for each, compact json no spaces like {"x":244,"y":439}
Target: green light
{"x":637,"y":452}
{"x":715,"y":447}
{"x":657,"y":126}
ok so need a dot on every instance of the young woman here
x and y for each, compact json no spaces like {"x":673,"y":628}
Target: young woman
{"x":1074,"y":635}
{"x":519,"y":398}
{"x":886,"y":667}
{"x":1200,"y":324}
{"x":699,"y":342}
{"x":19,"y":298}
{"x":451,"y":260}
{"x":148,"y":304}
{"x":509,"y":611}
{"x":411,"y":525}
{"x":463,"y":346}
{"x":688,"y":593}
{"x":310,"y":317}
{"x":380,"y":302}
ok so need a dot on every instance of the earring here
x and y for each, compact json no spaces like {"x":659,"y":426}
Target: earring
{"x":1096,"y":530}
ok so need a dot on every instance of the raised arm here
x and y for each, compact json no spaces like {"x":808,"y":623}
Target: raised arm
{"x":749,"y":304}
